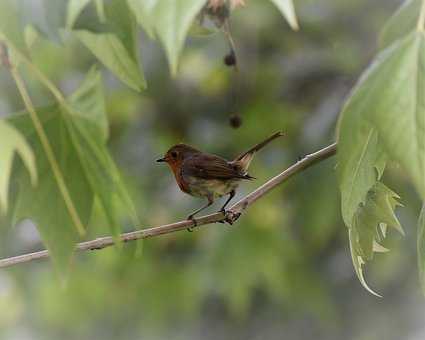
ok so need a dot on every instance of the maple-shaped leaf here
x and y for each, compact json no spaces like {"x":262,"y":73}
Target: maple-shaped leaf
{"x":12,"y":141}
{"x":169,"y":21}
{"x":401,"y":23}
{"x":115,"y":44}
{"x":369,"y":226}
{"x":76,"y":130}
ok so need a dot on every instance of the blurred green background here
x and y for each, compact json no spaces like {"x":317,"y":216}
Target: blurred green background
{"x":284,"y":270}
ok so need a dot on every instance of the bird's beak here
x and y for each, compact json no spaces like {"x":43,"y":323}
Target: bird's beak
{"x":161,"y":160}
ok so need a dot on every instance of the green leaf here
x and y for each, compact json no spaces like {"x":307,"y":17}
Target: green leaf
{"x":44,"y":204}
{"x":88,"y":130}
{"x":76,"y":131}
{"x":55,"y":17}
{"x":31,"y":36}
{"x":361,"y":161}
{"x":10,"y":23}
{"x":401,"y":23}
{"x":169,"y":21}
{"x":115,"y":46}
{"x":383,"y":118}
{"x":369,"y":222}
{"x":397,"y":110}
{"x":421,"y":248}
{"x":389,"y":98}
{"x":100,"y":9}
{"x":75,"y":7}
{"x":112,"y":53}
{"x":101,"y":172}
{"x":41,"y":49}
{"x":89,"y":101}
{"x":286,"y":7}
{"x":143,"y":11}
{"x":12,"y":141}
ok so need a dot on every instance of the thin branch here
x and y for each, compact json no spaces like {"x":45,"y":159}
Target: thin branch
{"x":231,"y":215}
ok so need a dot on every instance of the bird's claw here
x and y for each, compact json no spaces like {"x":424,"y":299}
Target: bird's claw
{"x":222,"y":210}
{"x":229,"y":216}
{"x":195,"y":223}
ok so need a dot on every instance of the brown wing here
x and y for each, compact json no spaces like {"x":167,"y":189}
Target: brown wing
{"x":211,"y":167}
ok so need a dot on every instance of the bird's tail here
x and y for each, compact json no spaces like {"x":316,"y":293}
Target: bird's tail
{"x":243,"y":160}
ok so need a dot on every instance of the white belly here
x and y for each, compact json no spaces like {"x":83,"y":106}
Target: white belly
{"x":212,"y":187}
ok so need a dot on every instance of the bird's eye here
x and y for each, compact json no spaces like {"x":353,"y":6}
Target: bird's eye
{"x":174,"y":154}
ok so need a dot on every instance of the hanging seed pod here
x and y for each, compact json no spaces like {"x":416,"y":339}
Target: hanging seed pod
{"x":230,"y":59}
{"x":235,"y":120}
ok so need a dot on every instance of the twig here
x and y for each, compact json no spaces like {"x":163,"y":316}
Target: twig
{"x":231,"y":215}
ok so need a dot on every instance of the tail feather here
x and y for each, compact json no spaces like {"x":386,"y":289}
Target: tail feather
{"x":244,"y":159}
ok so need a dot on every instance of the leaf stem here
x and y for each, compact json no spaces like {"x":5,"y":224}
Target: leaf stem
{"x":100,"y":10}
{"x":421,"y":21}
{"x":228,"y":34}
{"x":40,"y":75}
{"x":47,"y":149}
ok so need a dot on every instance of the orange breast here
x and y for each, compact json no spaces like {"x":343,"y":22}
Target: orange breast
{"x":179,"y":178}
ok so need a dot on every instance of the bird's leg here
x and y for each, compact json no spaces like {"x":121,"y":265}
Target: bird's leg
{"x":223,"y":210}
{"x":231,"y":195}
{"x":190,"y":217}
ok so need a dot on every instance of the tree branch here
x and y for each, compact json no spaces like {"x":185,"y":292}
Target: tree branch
{"x":231,"y":215}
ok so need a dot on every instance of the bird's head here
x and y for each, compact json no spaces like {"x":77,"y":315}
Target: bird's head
{"x":175,"y":156}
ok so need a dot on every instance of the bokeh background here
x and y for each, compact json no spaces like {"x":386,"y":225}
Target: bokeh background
{"x":284,"y":270}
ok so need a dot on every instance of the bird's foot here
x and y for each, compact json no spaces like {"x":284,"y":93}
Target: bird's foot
{"x":230,"y":216}
{"x":195,"y":223}
{"x":222,"y":210}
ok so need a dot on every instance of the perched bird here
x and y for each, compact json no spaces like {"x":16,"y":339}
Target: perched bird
{"x":206,"y":175}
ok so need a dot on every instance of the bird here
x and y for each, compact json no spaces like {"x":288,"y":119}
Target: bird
{"x":210,"y":176}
